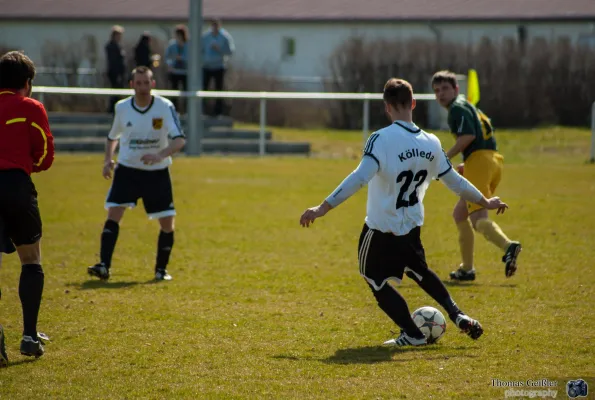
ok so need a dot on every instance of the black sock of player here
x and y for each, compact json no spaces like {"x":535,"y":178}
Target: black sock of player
{"x":395,"y":306}
{"x":433,"y":286}
{"x":164,"y":246}
{"x":109,"y":237}
{"x":30,"y":290}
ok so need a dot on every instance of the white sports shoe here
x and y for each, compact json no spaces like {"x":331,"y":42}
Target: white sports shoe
{"x":405,"y":340}
{"x":471,"y":327}
{"x":162,"y":275}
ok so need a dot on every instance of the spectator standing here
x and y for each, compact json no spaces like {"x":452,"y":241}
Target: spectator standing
{"x":217,"y":46}
{"x":142,"y":51}
{"x":116,"y":67}
{"x":176,"y":58}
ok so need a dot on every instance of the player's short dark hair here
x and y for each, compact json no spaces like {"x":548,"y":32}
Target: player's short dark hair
{"x":141,"y":69}
{"x":445,"y":76}
{"x":16,"y":69}
{"x":398,"y":93}
{"x":182,"y":31}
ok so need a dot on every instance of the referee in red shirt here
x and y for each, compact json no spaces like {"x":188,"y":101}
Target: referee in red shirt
{"x":26,"y":146}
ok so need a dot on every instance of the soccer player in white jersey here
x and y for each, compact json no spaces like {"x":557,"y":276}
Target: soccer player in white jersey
{"x":149,"y":132}
{"x":399,"y":162}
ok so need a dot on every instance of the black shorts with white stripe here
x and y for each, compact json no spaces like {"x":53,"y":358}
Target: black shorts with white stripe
{"x":384,"y":256}
{"x":153,"y":187}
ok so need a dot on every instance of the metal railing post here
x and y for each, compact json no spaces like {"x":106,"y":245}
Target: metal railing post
{"x":263,"y":121}
{"x":366,"y":120}
{"x":592,"y":160}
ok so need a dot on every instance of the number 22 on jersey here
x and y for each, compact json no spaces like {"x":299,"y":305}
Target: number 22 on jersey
{"x":408,"y":177}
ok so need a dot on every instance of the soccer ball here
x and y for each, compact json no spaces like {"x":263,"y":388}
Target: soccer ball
{"x":431,"y":322}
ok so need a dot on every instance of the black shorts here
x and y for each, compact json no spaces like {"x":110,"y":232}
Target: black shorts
{"x":6,"y":245}
{"x":384,"y":256}
{"x":153,"y":187}
{"x":20,"y":220}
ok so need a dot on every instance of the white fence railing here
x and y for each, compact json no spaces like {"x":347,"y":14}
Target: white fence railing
{"x":263,"y":97}
{"x":39,"y":91}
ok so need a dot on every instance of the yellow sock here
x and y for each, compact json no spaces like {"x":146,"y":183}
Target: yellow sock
{"x":492,"y":233}
{"x":466,"y":243}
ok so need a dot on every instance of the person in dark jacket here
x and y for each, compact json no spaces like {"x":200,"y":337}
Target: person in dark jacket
{"x":116,"y":66}
{"x":142,"y":51}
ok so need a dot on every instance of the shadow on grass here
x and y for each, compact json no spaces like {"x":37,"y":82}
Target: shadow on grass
{"x":96,"y":284}
{"x":374,"y":354}
{"x":380,"y":354}
{"x":20,"y":362}
{"x":474,"y":284}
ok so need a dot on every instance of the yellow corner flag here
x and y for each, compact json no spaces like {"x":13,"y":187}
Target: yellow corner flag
{"x":472,"y":87}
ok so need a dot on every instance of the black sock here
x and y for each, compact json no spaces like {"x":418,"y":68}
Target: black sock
{"x":433,"y":286}
{"x":30,"y":290}
{"x":164,"y":246}
{"x":109,"y":237}
{"x":395,"y":306}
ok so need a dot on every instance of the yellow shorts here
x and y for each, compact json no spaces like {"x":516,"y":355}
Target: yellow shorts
{"x":483,"y":169}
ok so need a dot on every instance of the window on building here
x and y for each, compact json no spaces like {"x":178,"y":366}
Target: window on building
{"x":587,"y":40}
{"x":288,"y":48}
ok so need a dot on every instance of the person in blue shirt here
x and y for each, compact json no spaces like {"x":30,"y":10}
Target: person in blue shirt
{"x":176,"y":58}
{"x":217,"y":46}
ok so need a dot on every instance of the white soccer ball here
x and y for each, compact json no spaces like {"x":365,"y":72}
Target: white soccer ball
{"x":431,"y":322}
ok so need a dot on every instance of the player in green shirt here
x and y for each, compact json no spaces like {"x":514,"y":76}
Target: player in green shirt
{"x":482,"y":166}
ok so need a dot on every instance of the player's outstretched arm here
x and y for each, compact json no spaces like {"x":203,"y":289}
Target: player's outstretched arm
{"x":350,"y":185}
{"x":312,"y":213}
{"x":493,"y":203}
{"x":465,"y":189}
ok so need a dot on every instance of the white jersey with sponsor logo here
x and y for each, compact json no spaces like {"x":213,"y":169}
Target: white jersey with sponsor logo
{"x":144,"y":130}
{"x":408,"y":159}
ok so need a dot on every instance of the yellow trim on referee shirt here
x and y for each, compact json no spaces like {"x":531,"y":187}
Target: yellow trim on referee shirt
{"x":6,"y":92}
{"x":15,"y":120}
{"x":45,"y":143}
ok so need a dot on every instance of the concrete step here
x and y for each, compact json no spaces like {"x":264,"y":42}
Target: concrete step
{"x":106,"y":119}
{"x":101,"y":130}
{"x":227,"y":133}
{"x":222,"y":146}
{"x":234,"y":146}
{"x":80,"y":129}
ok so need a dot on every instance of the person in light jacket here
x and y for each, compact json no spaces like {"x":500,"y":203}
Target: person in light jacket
{"x":176,"y":58}
{"x":217,"y":46}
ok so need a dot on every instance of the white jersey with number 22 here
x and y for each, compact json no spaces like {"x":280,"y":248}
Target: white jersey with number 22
{"x":408,"y":159}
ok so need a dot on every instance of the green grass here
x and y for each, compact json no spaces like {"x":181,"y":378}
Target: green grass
{"x":261,"y":308}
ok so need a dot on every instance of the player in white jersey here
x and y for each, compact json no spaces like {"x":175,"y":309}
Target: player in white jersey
{"x":149,"y":132}
{"x":399,"y":162}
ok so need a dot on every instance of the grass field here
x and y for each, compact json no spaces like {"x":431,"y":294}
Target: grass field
{"x":262,"y":308}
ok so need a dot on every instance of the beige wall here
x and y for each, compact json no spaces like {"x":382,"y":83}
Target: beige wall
{"x":259,"y":45}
